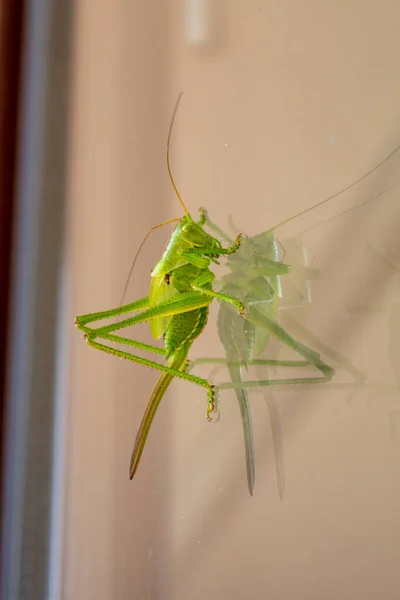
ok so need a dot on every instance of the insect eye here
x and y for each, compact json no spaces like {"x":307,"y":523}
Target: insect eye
{"x":185,"y":228}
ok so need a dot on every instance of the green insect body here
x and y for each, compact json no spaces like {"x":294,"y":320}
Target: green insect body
{"x":176,"y":308}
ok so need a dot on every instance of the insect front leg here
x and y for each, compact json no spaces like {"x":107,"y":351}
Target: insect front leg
{"x":200,"y":283}
{"x":213,"y":226}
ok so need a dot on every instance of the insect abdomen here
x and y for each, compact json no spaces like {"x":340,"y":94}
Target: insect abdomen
{"x":185,"y":328}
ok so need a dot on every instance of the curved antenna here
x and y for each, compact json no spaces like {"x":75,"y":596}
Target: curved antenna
{"x":352,"y":208}
{"x":165,"y":222}
{"x":342,"y":191}
{"x":168,"y":165}
{"x":138,"y":252}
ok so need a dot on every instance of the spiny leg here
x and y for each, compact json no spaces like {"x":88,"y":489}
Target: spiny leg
{"x":199,"y":286}
{"x":244,"y":407}
{"x":248,"y":384}
{"x":148,"y":363}
{"x":241,"y":386}
{"x":186,"y":302}
{"x":83,"y":320}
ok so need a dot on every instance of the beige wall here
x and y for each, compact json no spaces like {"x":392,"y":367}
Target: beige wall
{"x":288,"y":103}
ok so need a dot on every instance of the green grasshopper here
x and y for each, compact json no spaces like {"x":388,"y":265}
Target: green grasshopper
{"x":177,"y":309}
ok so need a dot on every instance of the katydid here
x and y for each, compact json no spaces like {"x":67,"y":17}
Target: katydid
{"x":176,"y":308}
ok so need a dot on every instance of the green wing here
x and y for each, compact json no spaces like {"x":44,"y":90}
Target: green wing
{"x":160,"y":292}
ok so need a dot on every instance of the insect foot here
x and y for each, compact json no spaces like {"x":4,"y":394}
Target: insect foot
{"x":203,"y":214}
{"x":188,"y":366}
{"x":213,"y":405}
{"x":240,"y":240}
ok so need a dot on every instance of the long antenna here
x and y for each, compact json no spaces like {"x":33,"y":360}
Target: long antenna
{"x":342,"y":191}
{"x":168,"y":165}
{"x":164,"y":222}
{"x":353,"y":208}
{"x":138,"y":252}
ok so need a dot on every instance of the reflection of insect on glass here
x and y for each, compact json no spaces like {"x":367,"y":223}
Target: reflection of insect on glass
{"x":256,"y":277}
{"x":177,"y":307}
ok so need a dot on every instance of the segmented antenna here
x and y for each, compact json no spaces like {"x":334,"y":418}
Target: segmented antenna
{"x":175,"y":219}
{"x":342,"y":191}
{"x":353,"y":208}
{"x":168,"y":165}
